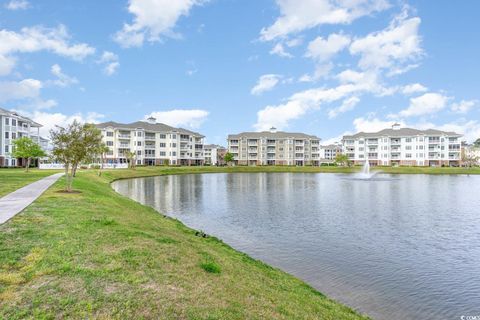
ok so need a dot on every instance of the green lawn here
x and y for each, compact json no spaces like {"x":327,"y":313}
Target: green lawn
{"x":96,"y":254}
{"x":13,"y":179}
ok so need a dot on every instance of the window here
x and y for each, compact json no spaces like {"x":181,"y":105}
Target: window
{"x":139,"y":152}
{"x":14,"y":122}
{"x":139,"y":134}
{"x":408,"y":147}
{"x":7,"y":121}
{"x":139,"y":143}
{"x":7,"y":135}
{"x":6,"y":149}
{"x":109,"y":133}
{"x":173,"y":145}
{"x":110,"y":143}
{"x":163,"y":136}
{"x":408,"y":155}
{"x":408,"y":140}
{"x":14,"y":136}
{"x":174,"y":153}
{"x":163,"y":145}
{"x":174,"y":136}
{"x":163,"y":154}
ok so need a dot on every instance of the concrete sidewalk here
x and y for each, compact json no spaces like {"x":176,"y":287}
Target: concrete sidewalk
{"x":16,"y":201}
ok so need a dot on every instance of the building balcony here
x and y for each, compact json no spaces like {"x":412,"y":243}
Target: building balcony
{"x":124,"y":136}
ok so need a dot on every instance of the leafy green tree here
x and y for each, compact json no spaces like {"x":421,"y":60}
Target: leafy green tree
{"x":342,"y":160}
{"x":228,"y":157}
{"x":73,"y":145}
{"x":27,"y":149}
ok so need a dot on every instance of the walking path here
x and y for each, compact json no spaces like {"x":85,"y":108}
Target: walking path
{"x":16,"y":201}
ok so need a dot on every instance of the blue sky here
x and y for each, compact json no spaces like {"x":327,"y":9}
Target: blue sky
{"x":324,"y":67}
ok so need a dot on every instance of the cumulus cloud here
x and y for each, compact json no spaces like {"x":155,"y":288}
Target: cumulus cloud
{"x":428,"y":103}
{"x":50,"y":120}
{"x":322,"y":49}
{"x":179,"y":117}
{"x":24,"y":89}
{"x":299,"y":15}
{"x":110,"y":61}
{"x":152,"y":20}
{"x":413,"y":88}
{"x":17,"y":5}
{"x":464,"y":106}
{"x":279,"y":50}
{"x":265,"y":83}
{"x":62,"y":80}
{"x":347,"y":105}
{"x":393,"y":48}
{"x":373,"y":124}
{"x":33,"y":39}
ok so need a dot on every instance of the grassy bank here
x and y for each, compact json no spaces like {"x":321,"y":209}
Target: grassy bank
{"x":13,"y":179}
{"x":96,"y":254}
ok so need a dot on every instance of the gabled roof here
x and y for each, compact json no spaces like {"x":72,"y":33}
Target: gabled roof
{"x":5,"y":112}
{"x":152,"y":127}
{"x":272,"y":135}
{"x":403,"y":132}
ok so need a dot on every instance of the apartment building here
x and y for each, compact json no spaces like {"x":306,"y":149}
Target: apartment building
{"x":153,"y":143}
{"x":404,"y":146}
{"x":274,"y":148}
{"x":13,"y":126}
{"x":214,"y":154}
{"x":329,"y":152}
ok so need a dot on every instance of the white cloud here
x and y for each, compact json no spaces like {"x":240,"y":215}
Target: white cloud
{"x":299,"y":15}
{"x":413,"y":88}
{"x":352,"y":83}
{"x":347,"y":105}
{"x":367,"y":81}
{"x":372,"y":124}
{"x":322,"y":49}
{"x":425,"y":104}
{"x":153,"y":19}
{"x":299,"y":104}
{"x":393,"y":48}
{"x":35,"y":39}
{"x":463,"y":106}
{"x":321,"y":71}
{"x":190,"y":118}
{"x":266,"y":83}
{"x":50,"y":120}
{"x":279,"y":50}
{"x":17,"y":5}
{"x":110,"y":62}
{"x":25,"y":89}
{"x":62,"y":80}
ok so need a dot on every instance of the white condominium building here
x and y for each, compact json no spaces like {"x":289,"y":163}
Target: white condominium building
{"x":330,"y":152}
{"x":404,"y":146}
{"x":274,"y":148}
{"x":153,"y":143}
{"x":13,"y":126}
{"x":214,"y":154}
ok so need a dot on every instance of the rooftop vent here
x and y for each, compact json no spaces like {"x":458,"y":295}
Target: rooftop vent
{"x":273,"y":129}
{"x":152,"y":120}
{"x":396,"y":126}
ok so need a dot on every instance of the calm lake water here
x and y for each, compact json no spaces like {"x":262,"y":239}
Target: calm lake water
{"x":395,"y":247}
